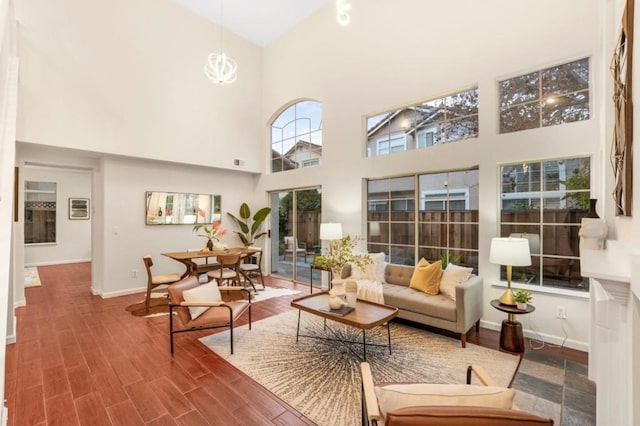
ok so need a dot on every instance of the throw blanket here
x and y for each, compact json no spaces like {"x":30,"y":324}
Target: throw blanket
{"x":370,"y":290}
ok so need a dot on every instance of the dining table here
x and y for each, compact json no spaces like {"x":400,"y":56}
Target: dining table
{"x":187,"y":258}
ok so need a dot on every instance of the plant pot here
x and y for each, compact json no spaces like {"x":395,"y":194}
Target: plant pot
{"x":521,"y":305}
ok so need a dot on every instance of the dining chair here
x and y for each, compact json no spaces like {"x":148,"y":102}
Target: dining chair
{"x":251,"y":269}
{"x":154,"y":281}
{"x":229,"y":269}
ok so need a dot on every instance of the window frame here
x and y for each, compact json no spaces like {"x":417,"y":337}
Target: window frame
{"x":539,"y":206}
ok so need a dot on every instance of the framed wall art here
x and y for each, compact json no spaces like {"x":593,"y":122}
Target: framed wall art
{"x":78,"y":208}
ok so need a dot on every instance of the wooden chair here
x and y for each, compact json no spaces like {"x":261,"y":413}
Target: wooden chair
{"x":154,"y":281}
{"x":229,"y":270}
{"x":219,"y":313}
{"x":250,"y":269}
{"x":292,"y":245}
{"x":471,"y":405}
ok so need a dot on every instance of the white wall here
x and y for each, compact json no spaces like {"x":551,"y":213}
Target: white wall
{"x":126,"y":238}
{"x":73,"y":237}
{"x":127,"y":77}
{"x":398,"y":52}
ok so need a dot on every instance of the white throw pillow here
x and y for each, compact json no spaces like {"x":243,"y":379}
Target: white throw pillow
{"x":202,"y":293}
{"x":357,"y":273}
{"x":395,"y":396}
{"x":452,"y":275}
{"x":374,"y":271}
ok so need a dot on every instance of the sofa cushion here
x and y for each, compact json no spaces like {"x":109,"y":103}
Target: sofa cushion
{"x":392,"y":397}
{"x":373,"y":271}
{"x":408,"y":299}
{"x":426,"y":277}
{"x":398,"y":274}
{"x":202,"y":293}
{"x":452,"y":275}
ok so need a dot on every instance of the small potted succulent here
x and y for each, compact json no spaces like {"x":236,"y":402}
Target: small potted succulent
{"x":521,"y":298}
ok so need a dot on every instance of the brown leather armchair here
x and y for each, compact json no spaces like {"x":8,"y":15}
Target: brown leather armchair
{"x":443,"y":415}
{"x":219,"y":313}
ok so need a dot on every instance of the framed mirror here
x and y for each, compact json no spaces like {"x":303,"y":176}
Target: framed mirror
{"x":175,"y":208}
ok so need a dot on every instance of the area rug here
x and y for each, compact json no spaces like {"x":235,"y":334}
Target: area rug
{"x":321,"y":378}
{"x":158,"y":305}
{"x":271,"y":292}
{"x":31,"y":277}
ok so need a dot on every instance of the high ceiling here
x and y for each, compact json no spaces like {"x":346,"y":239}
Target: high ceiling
{"x":259,"y":21}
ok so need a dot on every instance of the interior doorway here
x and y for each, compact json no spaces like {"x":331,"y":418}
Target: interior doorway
{"x":296,"y":229}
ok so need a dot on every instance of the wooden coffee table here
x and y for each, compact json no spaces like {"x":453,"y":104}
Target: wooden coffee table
{"x":366,"y":315}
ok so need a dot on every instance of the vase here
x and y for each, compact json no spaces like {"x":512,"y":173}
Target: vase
{"x":592,"y":214}
{"x":210,"y":244}
{"x":521,"y":305}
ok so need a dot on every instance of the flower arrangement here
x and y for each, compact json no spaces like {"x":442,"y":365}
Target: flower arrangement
{"x":210,"y":233}
{"x":340,"y":254}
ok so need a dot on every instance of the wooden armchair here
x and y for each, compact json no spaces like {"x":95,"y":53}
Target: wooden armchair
{"x":205,"y":309}
{"x":292,"y":245}
{"x":400,"y":404}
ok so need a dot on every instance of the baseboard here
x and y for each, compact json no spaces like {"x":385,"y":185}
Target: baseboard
{"x":11,"y":338}
{"x":122,"y":292}
{"x":546,"y":338}
{"x":56,"y":262}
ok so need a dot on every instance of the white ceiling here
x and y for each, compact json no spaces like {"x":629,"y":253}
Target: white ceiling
{"x":259,"y":21}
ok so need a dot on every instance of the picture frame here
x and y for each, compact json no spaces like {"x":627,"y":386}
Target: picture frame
{"x":79,"y":209}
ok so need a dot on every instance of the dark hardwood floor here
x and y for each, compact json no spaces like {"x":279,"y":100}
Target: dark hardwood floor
{"x":81,"y":359}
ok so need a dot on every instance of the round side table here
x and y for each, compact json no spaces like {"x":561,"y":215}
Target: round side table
{"x":511,"y":336}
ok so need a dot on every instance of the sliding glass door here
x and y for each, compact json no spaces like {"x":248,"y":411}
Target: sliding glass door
{"x":295,"y":231}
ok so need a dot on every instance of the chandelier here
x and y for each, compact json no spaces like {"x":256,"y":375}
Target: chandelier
{"x":220,"y":68}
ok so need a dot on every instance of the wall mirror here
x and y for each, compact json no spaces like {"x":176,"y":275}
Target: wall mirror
{"x":174,"y":208}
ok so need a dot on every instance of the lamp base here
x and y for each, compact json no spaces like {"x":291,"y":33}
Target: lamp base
{"x":507,"y":298}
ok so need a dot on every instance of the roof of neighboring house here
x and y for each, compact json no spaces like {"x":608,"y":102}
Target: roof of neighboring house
{"x":279,"y":164}
{"x":304,"y":144}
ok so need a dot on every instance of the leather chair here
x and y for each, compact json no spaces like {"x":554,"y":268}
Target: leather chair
{"x":219,"y":313}
{"x":154,"y":281}
{"x":442,"y":415}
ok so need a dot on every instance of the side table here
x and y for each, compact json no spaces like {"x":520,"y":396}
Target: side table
{"x":511,"y":336}
{"x":319,"y":268}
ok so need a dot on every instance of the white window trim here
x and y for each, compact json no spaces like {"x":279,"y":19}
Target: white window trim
{"x":444,"y":195}
{"x":390,"y":139}
{"x":311,"y":162}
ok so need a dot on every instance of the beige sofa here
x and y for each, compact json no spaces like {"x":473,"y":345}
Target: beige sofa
{"x":438,"y":311}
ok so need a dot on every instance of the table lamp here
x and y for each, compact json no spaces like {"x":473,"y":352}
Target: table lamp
{"x":509,"y":252}
{"x":330,"y":231}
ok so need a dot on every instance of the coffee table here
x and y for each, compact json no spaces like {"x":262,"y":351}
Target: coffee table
{"x":365,"y":316}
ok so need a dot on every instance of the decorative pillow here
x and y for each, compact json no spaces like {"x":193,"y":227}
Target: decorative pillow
{"x":451,"y":276}
{"x":426,"y":277}
{"x":395,"y":396}
{"x":373,"y":271}
{"x":202,"y":293}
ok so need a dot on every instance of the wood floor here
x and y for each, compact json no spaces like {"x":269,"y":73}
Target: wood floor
{"x":83,"y":360}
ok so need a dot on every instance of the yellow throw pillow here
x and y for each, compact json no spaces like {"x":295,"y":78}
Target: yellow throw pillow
{"x":426,"y":277}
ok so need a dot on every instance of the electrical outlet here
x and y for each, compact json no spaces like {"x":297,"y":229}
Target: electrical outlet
{"x":134,"y":273}
{"x":561,"y":312}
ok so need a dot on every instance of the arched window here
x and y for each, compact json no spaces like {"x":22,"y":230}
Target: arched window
{"x":296,"y":137}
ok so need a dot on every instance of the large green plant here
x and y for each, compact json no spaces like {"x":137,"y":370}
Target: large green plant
{"x":340,"y":253}
{"x":249,"y":225}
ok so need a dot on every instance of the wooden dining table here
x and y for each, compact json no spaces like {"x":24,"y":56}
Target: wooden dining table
{"x":187,"y":259}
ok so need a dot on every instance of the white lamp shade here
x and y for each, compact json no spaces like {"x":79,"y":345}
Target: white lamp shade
{"x":330,"y":231}
{"x":510,"y":251}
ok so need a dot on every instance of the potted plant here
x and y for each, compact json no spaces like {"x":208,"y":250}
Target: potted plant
{"x":521,"y":298}
{"x":339,"y":254}
{"x":249,"y":225}
{"x":210,"y":233}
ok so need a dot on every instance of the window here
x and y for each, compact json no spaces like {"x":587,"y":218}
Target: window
{"x":39,"y":212}
{"x":548,"y":97}
{"x":296,"y":137}
{"x":425,"y":124}
{"x":392,"y":144}
{"x":545,"y":201}
{"x":443,"y":225}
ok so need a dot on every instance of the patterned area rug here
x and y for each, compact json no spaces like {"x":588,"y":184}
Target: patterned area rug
{"x":31,"y":277}
{"x":270,"y":292}
{"x":321,"y":378}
